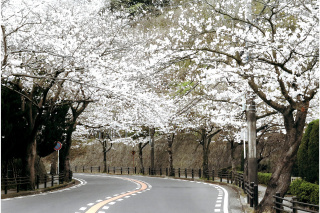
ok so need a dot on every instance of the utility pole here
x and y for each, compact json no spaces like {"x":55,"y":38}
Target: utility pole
{"x":252,"y":152}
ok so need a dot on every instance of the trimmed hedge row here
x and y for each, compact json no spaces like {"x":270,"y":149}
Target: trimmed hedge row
{"x":306,"y":192}
{"x":263,"y":178}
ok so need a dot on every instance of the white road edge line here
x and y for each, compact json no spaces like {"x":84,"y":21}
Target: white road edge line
{"x":225,"y":200}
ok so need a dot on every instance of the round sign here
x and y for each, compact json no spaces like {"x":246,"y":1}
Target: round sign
{"x":58,"y":146}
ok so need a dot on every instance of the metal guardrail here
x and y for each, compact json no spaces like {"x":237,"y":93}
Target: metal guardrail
{"x":292,"y":205}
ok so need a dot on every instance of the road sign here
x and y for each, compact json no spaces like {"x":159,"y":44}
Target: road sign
{"x":58,"y":146}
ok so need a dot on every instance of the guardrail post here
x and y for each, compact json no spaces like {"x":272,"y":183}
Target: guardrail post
{"x":192,"y":173}
{"x":212,"y":174}
{"x":18,"y":184}
{"x":52,"y":180}
{"x":186,"y":172}
{"x":251,"y":193}
{"x":114,"y":170}
{"x":149,"y":170}
{"x":108,"y":170}
{"x":99,"y":169}
{"x":37,"y":181}
{"x":83,"y":169}
{"x":166,"y":171}
{"x":256,"y":195}
{"x":135,"y":170}
{"x":199,"y":173}
{"x":227,"y":177}
{"x":220,"y":175}
{"x":45,"y":181}
{"x":120,"y":170}
{"x":6,"y":185}
{"x":128,"y":170}
{"x":278,"y":203}
{"x":178,"y":172}
{"x":294,"y":204}
{"x":231,"y":177}
{"x":91,"y":169}
{"x":160,"y":171}
{"x":243,"y":184}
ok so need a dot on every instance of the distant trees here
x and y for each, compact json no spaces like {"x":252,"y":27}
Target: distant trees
{"x":308,"y":153}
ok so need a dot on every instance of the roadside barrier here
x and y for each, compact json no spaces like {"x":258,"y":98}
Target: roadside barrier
{"x":21,"y":183}
{"x":251,"y":189}
{"x":292,"y":206}
{"x":236,"y":178}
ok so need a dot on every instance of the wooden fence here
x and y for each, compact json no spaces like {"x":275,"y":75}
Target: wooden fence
{"x":292,"y":206}
{"x":20,"y":183}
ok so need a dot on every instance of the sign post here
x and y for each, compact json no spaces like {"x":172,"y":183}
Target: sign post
{"x":57,"y":148}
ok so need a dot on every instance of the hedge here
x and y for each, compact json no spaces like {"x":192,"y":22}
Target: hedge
{"x":263,"y":178}
{"x":306,"y":192}
{"x":308,"y":153}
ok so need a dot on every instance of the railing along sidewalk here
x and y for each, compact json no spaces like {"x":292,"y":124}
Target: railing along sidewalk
{"x":293,"y":205}
{"x":18,"y":182}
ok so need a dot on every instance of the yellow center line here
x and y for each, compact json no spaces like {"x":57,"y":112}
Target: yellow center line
{"x":96,"y":207}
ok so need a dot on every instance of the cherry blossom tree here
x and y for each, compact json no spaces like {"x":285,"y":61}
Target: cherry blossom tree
{"x":50,"y":57}
{"x":273,"y":47}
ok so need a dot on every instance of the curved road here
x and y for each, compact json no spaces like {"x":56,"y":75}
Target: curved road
{"x":101,"y":193}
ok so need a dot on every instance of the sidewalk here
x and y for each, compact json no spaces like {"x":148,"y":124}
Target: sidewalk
{"x":243,"y":198}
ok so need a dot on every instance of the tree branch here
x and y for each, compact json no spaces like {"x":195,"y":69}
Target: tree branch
{"x":263,"y":96}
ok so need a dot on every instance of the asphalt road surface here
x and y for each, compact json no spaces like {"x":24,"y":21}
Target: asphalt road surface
{"x":101,"y":193}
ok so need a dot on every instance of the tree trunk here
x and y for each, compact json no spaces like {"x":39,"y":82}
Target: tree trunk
{"x":170,"y":153}
{"x":152,"y":131}
{"x":53,"y":169}
{"x":205,"y":159}
{"x":31,"y":154}
{"x":141,"y":146}
{"x":140,"y":157}
{"x":64,"y":166}
{"x":233,"y":160}
{"x":104,"y":144}
{"x":280,"y":179}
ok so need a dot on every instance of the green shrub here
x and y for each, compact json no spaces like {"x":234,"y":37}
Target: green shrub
{"x":263,"y":178}
{"x":308,"y":153}
{"x":294,"y":187}
{"x":306,"y":192}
